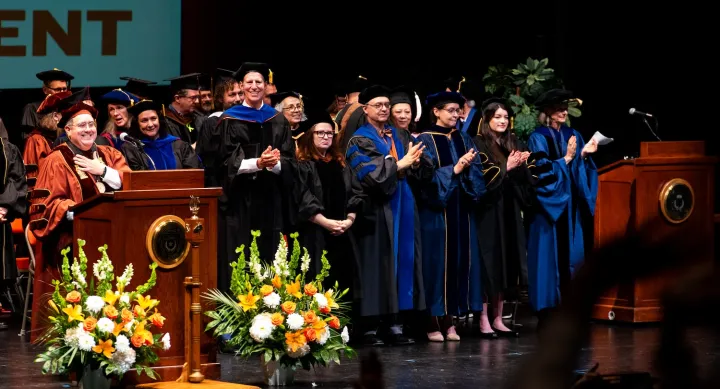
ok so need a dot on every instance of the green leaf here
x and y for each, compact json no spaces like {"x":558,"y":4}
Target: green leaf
{"x":268,"y":355}
{"x":529,"y":63}
{"x":335,"y":357}
{"x":574,"y":111}
{"x":544,"y":62}
{"x":325,"y":356}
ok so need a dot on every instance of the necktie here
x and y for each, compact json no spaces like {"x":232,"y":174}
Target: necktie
{"x":393,"y":152}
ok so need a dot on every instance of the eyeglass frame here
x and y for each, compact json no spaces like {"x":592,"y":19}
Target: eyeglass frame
{"x":326,"y":134}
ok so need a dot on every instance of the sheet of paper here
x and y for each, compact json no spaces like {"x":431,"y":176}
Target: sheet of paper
{"x":601,"y":139}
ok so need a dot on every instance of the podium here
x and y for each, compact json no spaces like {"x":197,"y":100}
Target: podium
{"x":141,"y":216}
{"x":669,"y":187}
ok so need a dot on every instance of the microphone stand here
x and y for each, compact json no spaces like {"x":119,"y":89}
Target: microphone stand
{"x":650,"y":127}
{"x":141,"y":147}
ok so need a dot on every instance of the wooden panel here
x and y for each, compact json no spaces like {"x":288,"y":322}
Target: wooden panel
{"x":211,"y":371}
{"x":676,"y":161}
{"x":164,"y":179}
{"x":613,"y":213}
{"x":167,"y":194}
{"x":672,"y":149}
{"x":605,"y":170}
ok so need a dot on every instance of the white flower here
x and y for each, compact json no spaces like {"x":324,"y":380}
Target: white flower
{"x":124,"y":360}
{"x":106,"y":325}
{"x":72,"y":335}
{"x":262,"y":327}
{"x":86,"y":342}
{"x":94,"y":304}
{"x":77,"y":274}
{"x":321,"y":300}
{"x":129,"y":325}
{"x":166,"y":341}
{"x":305,"y":265}
{"x":295,"y":321}
{"x":280,"y":263}
{"x":272,"y":300}
{"x":324,"y":337}
{"x":301,"y":351}
{"x":122,"y":344}
{"x":125,"y":278}
{"x":345,"y":335}
{"x":125,"y":299}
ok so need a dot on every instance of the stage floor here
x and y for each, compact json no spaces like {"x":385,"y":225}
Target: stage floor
{"x":470,"y":363}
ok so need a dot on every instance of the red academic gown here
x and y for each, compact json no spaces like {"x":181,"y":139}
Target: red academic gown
{"x":65,"y":187}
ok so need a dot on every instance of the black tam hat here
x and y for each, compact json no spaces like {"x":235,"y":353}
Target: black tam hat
{"x":186,"y":81}
{"x":372,"y":92}
{"x":441,"y":98}
{"x":553,"y":97}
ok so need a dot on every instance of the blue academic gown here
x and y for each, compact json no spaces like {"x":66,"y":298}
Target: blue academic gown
{"x":451,"y":254}
{"x":566,"y":194}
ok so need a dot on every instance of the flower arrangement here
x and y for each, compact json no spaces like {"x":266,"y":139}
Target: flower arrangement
{"x":280,"y":314}
{"x":94,"y":325}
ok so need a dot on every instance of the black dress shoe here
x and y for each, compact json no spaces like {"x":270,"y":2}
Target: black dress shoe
{"x":506,"y":334}
{"x":399,"y":340}
{"x":372,"y":340}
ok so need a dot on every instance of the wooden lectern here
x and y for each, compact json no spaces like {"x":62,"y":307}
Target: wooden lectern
{"x":670,"y":187}
{"x":142,"y":215}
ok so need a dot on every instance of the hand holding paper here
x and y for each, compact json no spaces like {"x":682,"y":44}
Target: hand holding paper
{"x":601,"y":139}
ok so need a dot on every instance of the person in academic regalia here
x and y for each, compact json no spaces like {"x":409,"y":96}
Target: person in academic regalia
{"x":326,"y":206}
{"x":270,"y":87}
{"x":54,"y":81}
{"x":159,"y":150}
{"x":205,"y":105}
{"x":469,"y":122}
{"x":38,"y":144}
{"x":83,"y":95}
{"x":501,"y":232}
{"x":292,"y":106}
{"x":405,"y":109}
{"x":351,"y":117}
{"x":138,"y":87}
{"x":74,"y":171}
{"x":13,"y":204}
{"x":180,"y":113}
{"x":119,"y":118}
{"x":3,"y":130}
{"x":451,"y":256}
{"x":257,"y":155}
{"x":386,"y":234}
{"x":566,"y":192}
{"x":226,"y":95}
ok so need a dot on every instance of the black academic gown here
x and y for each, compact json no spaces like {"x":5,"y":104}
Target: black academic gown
{"x":185,"y":157}
{"x":183,"y":128}
{"x":348,"y":125}
{"x":259,"y":200}
{"x":13,"y":191}
{"x":501,"y":231}
{"x":326,"y":188}
{"x":207,"y":148}
{"x":389,"y":282}
{"x":30,"y":119}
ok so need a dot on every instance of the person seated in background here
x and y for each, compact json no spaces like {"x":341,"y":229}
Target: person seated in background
{"x":37,"y":145}
{"x":157,"y":150}
{"x":119,"y":119}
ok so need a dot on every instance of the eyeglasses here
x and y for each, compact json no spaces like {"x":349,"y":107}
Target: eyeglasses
{"x":379,"y":106}
{"x":84,"y":126}
{"x":452,"y":111}
{"x":293,"y":108}
{"x":58,"y":90}
{"x":324,"y":134}
{"x":193,"y":98}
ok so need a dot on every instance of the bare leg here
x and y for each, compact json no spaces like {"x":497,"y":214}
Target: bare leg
{"x":484,"y":322}
{"x":498,"y":313}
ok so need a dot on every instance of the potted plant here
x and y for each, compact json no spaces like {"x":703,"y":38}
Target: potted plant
{"x":97,"y":331}
{"x":275,"y":312}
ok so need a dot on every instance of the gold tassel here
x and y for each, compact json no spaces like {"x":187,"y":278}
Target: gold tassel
{"x":270,"y":76}
{"x":459,"y":84}
{"x":512,"y":122}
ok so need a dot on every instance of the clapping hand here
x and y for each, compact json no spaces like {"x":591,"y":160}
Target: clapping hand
{"x":515,"y":159}
{"x":464,"y":161}
{"x":269,"y":158}
{"x":589,"y":148}
{"x":571,"y":149}
{"x":3,"y":215}
{"x":412,"y":157}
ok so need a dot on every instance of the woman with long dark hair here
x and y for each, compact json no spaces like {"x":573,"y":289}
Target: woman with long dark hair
{"x":499,"y":214}
{"x":159,"y":150}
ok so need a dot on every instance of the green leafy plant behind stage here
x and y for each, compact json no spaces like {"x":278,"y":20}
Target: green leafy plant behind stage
{"x":521,"y":86}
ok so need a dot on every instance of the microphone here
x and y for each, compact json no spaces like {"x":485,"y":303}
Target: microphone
{"x":127,"y":138}
{"x":634,"y":111}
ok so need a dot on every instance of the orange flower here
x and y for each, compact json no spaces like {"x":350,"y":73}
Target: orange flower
{"x":89,"y":324}
{"x":295,"y":340}
{"x":294,"y":289}
{"x":334,"y":322}
{"x":138,"y":340}
{"x":310,"y":334}
{"x":331,"y":300}
{"x":266,"y":290}
{"x":126,"y":316}
{"x":277,"y":318}
{"x":288,"y":307}
{"x":325,"y":310}
{"x":110,"y":312}
{"x":139,"y":312}
{"x":310,"y":317}
{"x":276,"y":282}
{"x":157,"y":319}
{"x":146,"y":335}
{"x":104,"y":348}
{"x":320,"y":327}
{"x":73,"y":297}
{"x":119,"y":327}
{"x":310,"y":289}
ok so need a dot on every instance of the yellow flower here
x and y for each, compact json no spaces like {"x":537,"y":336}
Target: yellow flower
{"x":110,"y":297}
{"x":295,"y":340}
{"x":247,"y":302}
{"x":74,"y":313}
{"x":277,"y":283}
{"x":320,"y":327}
{"x":266,"y":290}
{"x":331,"y":300}
{"x":146,"y":302}
{"x":146,"y":335}
{"x":119,"y":327}
{"x":53,"y":306}
{"x":294,"y":289}
{"x":104,"y":348}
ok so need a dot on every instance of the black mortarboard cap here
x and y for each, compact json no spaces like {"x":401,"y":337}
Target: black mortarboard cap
{"x":491,"y":100}
{"x":452,"y":83}
{"x":186,"y":81}
{"x":258,"y":67}
{"x":54,"y":74}
{"x":372,"y":92}
{"x":137,"y":86}
{"x":276,"y":98}
{"x":402,"y":94}
{"x":205,"y":82}
{"x":220,"y":75}
{"x":470,"y":89}
{"x":146,"y":105}
{"x":316,"y":115}
{"x":553,"y":97}
{"x":442,"y":98}
{"x":358,"y":85}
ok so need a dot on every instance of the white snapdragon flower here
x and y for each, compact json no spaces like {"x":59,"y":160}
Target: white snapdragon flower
{"x":345,"y":335}
{"x":166,"y":341}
